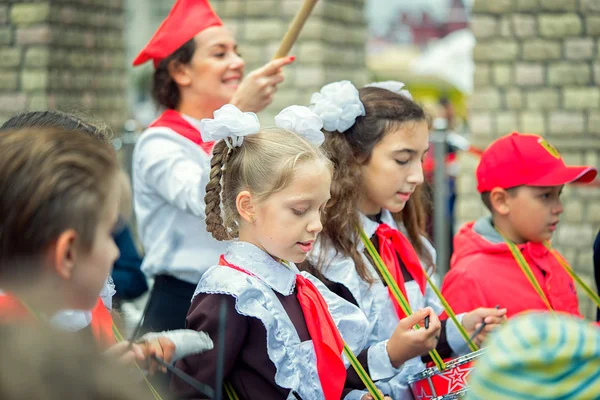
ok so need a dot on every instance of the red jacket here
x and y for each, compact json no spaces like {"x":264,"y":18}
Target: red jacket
{"x":483,"y":273}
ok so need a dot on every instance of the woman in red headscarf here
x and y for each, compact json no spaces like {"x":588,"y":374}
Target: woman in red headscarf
{"x":197,"y":70}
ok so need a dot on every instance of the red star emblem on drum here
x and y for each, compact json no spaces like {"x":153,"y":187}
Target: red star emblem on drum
{"x":423,"y":395}
{"x":457,"y":378}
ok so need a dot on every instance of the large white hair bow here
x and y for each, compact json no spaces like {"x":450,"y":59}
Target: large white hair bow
{"x":302,"y":121}
{"x":338,"y":104}
{"x":392,"y":86}
{"x":229,"y":124}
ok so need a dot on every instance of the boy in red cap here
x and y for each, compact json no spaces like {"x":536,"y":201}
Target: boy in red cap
{"x":505,"y":259}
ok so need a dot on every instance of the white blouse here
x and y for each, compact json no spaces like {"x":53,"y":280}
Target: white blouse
{"x":374,"y":300}
{"x":170,"y":174}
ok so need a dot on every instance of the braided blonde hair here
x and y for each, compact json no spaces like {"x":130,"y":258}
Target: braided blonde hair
{"x":264,"y":164}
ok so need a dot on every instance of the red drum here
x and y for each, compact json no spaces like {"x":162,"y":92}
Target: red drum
{"x":448,"y":384}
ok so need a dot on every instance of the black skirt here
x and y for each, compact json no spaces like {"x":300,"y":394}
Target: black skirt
{"x":170,"y":301}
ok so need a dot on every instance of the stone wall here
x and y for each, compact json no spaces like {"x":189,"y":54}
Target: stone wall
{"x":331,"y":46}
{"x":538,"y":71}
{"x":63,"y":54}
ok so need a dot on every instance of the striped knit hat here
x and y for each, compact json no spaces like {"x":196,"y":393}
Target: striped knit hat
{"x":539,"y":356}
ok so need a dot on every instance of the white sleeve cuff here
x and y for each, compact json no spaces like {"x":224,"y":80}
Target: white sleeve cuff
{"x":187,"y":342}
{"x":380,"y":366}
{"x":455,"y":340}
{"x":355,"y":395}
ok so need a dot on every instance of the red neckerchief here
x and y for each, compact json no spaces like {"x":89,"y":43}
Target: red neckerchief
{"x":173,"y":120}
{"x":393,"y":244}
{"x":102,"y":324}
{"x":326,"y":338}
{"x":11,"y":309}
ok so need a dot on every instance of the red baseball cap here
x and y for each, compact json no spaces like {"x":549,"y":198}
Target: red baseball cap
{"x":186,"y":19}
{"x":526,"y":159}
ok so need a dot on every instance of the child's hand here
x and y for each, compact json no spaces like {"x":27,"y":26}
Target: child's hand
{"x":160,"y":347}
{"x":493,"y":318}
{"x":124,"y":353}
{"x":369,"y":397}
{"x":407,"y":343}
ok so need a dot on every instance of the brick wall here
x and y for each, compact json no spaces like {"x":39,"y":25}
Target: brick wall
{"x":63,"y":54}
{"x":538,"y":71}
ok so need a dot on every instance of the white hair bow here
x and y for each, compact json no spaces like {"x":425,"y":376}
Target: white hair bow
{"x":302,"y":121}
{"x":392,"y":86}
{"x":229,"y":123}
{"x":338,"y":104}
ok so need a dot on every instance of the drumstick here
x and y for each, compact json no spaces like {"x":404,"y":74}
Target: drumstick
{"x":220,"y":351}
{"x":199,"y":386}
{"x":478,"y":330}
{"x":295,"y":27}
{"x":138,"y":327}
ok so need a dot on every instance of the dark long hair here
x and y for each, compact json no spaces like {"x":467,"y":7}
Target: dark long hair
{"x":385,"y":110}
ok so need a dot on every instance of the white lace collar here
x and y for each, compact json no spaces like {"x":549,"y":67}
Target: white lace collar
{"x":370,"y":226}
{"x":249,"y":257}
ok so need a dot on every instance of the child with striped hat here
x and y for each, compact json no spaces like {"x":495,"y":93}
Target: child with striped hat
{"x":553,"y":356}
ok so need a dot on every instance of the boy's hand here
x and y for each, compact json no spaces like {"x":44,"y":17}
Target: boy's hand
{"x":124,"y":354}
{"x":407,"y":343}
{"x":160,"y":347}
{"x":493,"y":319}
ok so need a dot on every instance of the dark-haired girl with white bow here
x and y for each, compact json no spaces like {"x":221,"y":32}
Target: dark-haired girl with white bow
{"x":377,"y":137}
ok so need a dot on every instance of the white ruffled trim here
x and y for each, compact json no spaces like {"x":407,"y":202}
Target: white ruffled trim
{"x":295,"y":361}
{"x":338,"y":104}
{"x":279,"y":277}
{"x":349,"y":319}
{"x":339,"y":269}
{"x":107,"y":293}
{"x":229,"y":123}
{"x":373,"y":301}
{"x":303,"y":122}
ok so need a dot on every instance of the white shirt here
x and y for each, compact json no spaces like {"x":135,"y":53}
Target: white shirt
{"x":76,"y":320}
{"x":374,"y":300}
{"x":170,"y":174}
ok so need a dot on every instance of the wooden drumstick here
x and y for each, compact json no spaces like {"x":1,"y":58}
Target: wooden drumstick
{"x":295,"y":27}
